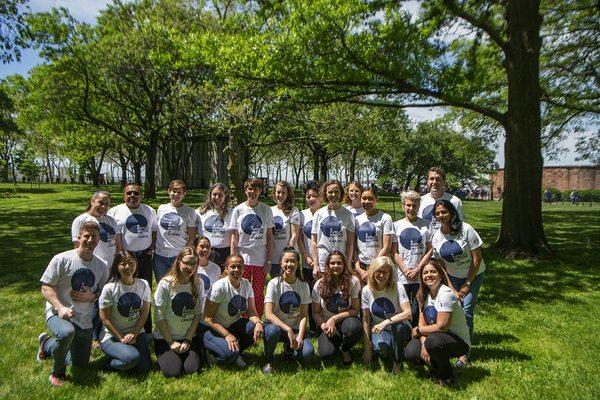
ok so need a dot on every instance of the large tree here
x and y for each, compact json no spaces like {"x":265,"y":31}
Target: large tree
{"x":477,"y":55}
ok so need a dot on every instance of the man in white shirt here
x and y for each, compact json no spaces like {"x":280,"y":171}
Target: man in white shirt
{"x":70,"y":284}
{"x":137,"y":225}
{"x":436,"y":182}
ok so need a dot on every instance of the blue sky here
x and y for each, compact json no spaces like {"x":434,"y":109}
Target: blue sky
{"x":87,"y":10}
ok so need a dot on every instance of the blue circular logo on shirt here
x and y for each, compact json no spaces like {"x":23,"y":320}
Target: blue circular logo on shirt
{"x":366,"y":230}
{"x":337,"y":304}
{"x":383,"y":308}
{"x":430,"y":315}
{"x":237,"y":304}
{"x":428,"y":213}
{"x":251,"y":223}
{"x":134,"y":222}
{"x":129,"y":304}
{"x":307,"y":229}
{"x":450,"y":250}
{"x":410,"y":236}
{"x":82,"y":279}
{"x":213,"y":223}
{"x":106,"y":232}
{"x":289,"y":301}
{"x":331,"y":226}
{"x":205,"y":280}
{"x":170,"y":221}
{"x":278,"y":221}
{"x":181,"y":303}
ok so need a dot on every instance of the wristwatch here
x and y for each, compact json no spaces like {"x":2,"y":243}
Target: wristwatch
{"x":468,"y":283}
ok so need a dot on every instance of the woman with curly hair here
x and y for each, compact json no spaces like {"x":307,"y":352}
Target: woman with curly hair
{"x":336,"y":304}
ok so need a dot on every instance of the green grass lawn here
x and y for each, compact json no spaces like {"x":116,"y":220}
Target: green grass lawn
{"x":537,"y":329}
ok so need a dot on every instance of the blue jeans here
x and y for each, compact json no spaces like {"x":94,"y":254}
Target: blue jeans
{"x":274,"y":334}
{"x":392,"y":339}
{"x":162,"y":265}
{"x":242,"y":329}
{"x":411,"y":291}
{"x":470,"y":300}
{"x":124,"y":357}
{"x":70,"y":345}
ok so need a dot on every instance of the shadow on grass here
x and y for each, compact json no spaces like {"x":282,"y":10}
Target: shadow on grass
{"x":89,"y":376}
{"x":469,"y":375}
{"x":483,"y":338}
{"x":486,"y":353}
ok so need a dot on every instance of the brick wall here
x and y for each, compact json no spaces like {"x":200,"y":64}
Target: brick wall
{"x":561,"y":178}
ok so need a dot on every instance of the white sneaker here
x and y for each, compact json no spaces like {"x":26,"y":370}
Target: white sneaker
{"x":240,"y":362}
{"x":41,"y":355}
{"x":267,"y":369}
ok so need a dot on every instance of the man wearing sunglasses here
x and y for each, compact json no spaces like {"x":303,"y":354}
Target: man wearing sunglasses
{"x":137,"y":225}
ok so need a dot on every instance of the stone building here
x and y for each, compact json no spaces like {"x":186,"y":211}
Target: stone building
{"x":568,"y":177}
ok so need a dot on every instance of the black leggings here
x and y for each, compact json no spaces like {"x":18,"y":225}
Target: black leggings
{"x":219,"y":255}
{"x":441,"y":346}
{"x":144,"y":262}
{"x":349,"y":332}
{"x":174,"y":364}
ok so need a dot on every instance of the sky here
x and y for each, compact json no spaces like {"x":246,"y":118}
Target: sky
{"x":87,"y":10}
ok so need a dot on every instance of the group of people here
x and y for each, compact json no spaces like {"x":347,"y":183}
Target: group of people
{"x":342,"y":273}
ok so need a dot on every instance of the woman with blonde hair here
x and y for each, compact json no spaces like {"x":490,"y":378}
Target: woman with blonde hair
{"x":386,"y":314}
{"x":178,"y":305}
{"x":351,"y":200}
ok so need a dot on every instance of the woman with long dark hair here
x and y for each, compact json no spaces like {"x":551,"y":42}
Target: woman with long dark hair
{"x":124,"y":308}
{"x":214,"y":218}
{"x":286,"y":219}
{"x":442,"y":332}
{"x":336,"y":304}
{"x":458,"y":247}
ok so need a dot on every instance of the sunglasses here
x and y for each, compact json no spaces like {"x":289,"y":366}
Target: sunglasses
{"x":132,"y":193}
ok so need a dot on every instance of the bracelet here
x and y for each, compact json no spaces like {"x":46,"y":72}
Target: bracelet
{"x":186,"y":341}
{"x":391,"y":322}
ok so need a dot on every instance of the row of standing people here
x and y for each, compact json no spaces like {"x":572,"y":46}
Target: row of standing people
{"x":249,"y":227}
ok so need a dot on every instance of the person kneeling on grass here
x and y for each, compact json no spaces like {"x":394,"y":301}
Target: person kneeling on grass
{"x":178,"y":304}
{"x":336,"y":304}
{"x":124,"y":309}
{"x":442,"y":332}
{"x":386,"y":314}
{"x":227,"y":332}
{"x":70,"y":284}
{"x":286,"y":312}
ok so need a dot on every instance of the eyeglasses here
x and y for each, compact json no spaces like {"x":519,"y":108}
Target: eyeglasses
{"x":132,"y":193}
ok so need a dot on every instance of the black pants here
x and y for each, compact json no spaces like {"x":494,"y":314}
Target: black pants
{"x":219,"y":255}
{"x":349,"y":332}
{"x":411,"y":291}
{"x":144,"y":270}
{"x":175,"y":364}
{"x":441,"y":346}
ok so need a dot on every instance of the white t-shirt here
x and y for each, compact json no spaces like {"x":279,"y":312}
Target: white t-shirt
{"x":176,"y":306}
{"x":135,"y":225}
{"x":287,"y":299}
{"x":233,"y":303}
{"x":215,"y":228}
{"x":331,"y":228}
{"x":446,"y":301}
{"x":383,"y":304}
{"x":251,"y":224}
{"x":455,"y":250}
{"x":369,"y":234}
{"x":109,"y":229}
{"x":355,"y":211}
{"x":173,"y":224}
{"x":66,"y":272}
{"x":209,"y":275}
{"x":426,"y":209}
{"x":336,"y":304}
{"x":412,"y":241}
{"x":306,"y":223}
{"x":126,"y":302}
{"x":282,"y":230}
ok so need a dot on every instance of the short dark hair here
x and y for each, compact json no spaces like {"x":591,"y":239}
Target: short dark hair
{"x":438,"y":170}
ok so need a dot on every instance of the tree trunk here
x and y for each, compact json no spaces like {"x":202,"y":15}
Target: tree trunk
{"x":49,"y":171}
{"x":323,"y":161}
{"x":522,"y":230}
{"x":123,"y":164}
{"x":137,"y":171}
{"x":150,"y":185}
{"x":316,"y":162}
{"x":234,"y":170}
{"x":352,"y":167}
